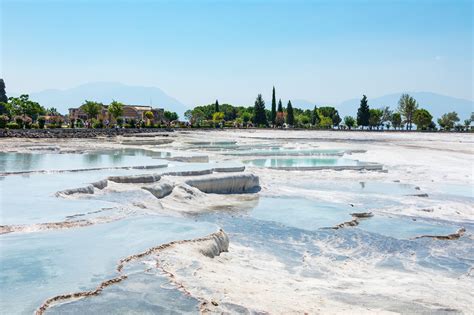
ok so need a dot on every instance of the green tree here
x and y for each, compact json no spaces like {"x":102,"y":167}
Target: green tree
{"x":315,"y":116}
{"x":290,"y":116}
{"x":280,"y":106}
{"x":387,"y":116}
{"x":363,"y":113}
{"x":273,"y":116}
{"x":171,"y":116}
{"x":331,"y":112}
{"x":3,"y":97}
{"x":92,"y":109}
{"x":375,"y":118}
{"x":350,"y":122}
{"x":260,"y":117}
{"x":23,"y":106}
{"x":407,"y":106}
{"x":448,"y":120}
{"x":218,"y":117}
{"x":396,"y":120}
{"x":326,"y":122}
{"x":467,"y":124}
{"x":115,"y":109}
{"x":422,"y":119}
{"x":216,"y":107}
{"x":246,"y":117}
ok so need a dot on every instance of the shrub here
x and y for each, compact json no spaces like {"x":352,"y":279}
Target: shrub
{"x":51,"y":126}
{"x":12,"y":125}
{"x":19,"y":121}
{"x":3,"y":121}
{"x":127,"y":126}
{"x":72,"y":123}
{"x":120,"y":121}
{"x":79,"y":123}
{"x":132,"y":123}
{"x":97,"y":124}
{"x":27,"y":121}
{"x":35,"y":126}
{"x":41,"y":122}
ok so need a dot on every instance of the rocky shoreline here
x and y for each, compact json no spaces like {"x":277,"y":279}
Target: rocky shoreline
{"x":76,"y":133}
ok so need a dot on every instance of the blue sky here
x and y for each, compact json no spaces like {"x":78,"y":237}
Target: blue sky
{"x":197,"y":51}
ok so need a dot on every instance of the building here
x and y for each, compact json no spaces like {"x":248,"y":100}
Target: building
{"x":136,"y":112}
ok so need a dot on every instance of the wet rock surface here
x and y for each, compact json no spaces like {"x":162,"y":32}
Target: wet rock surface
{"x":226,"y":184}
{"x":73,"y":133}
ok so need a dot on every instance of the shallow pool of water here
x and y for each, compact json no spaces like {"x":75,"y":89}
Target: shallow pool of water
{"x":302,"y":162}
{"x":21,"y":162}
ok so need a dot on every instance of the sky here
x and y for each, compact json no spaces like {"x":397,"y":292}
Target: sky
{"x":199,"y":51}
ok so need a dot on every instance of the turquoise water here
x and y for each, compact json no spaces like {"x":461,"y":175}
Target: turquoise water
{"x":303,"y":162}
{"x":15,"y":162}
{"x":36,"y":266}
{"x":312,"y":215}
{"x":287,"y":152}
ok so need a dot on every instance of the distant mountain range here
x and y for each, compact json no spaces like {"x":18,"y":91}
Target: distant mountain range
{"x":105,"y":92}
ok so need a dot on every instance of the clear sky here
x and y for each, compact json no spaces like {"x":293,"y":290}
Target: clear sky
{"x":197,"y":51}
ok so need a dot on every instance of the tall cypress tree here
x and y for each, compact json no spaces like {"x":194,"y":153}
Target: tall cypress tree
{"x":3,"y":97}
{"x":280,"y":106}
{"x":363,"y":113}
{"x":274,"y":105}
{"x":260,"y":117}
{"x":290,"y":116}
{"x":216,"y":107}
{"x":315,"y":116}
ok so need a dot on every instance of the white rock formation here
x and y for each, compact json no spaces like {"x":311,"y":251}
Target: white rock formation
{"x":160,"y":190}
{"x":135,"y":179}
{"x":226,"y":183}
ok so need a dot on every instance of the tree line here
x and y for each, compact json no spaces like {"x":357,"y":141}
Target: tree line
{"x":407,"y":115}
{"x":21,"y":112}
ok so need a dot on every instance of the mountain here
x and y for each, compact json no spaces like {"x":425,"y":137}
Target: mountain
{"x":105,"y":92}
{"x":436,"y":104}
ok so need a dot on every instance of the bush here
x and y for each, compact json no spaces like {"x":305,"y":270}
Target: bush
{"x":27,"y":121}
{"x":35,"y":126}
{"x":79,"y":123}
{"x":120,"y":121}
{"x":132,"y":123}
{"x":127,"y":126}
{"x":72,"y":123}
{"x":3,"y":121}
{"x":41,"y":122}
{"x":51,"y":126}
{"x":19,"y":121}
{"x":12,"y":125}
{"x":97,"y":124}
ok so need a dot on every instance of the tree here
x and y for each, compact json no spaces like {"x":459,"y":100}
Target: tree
{"x":448,"y":120}
{"x":23,"y":106}
{"x":273,"y":116}
{"x":260,"y":117}
{"x":331,"y":112}
{"x":326,"y":122}
{"x":350,"y":122}
{"x":52,"y":111}
{"x":396,"y":120}
{"x":467,"y":124}
{"x":116,"y":109}
{"x":218,"y":117}
{"x":280,"y":106}
{"x":422,"y":119}
{"x":386,"y":116}
{"x":407,"y":106}
{"x":91,"y":108}
{"x":290,"y":116}
{"x":363,"y":113}
{"x":375,"y":118}
{"x":315,"y":116}
{"x":3,"y":97}
{"x":170,"y":116}
{"x":216,"y":106}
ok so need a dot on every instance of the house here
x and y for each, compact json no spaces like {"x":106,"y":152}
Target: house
{"x":136,"y":112}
